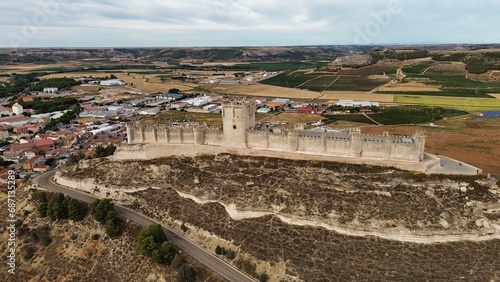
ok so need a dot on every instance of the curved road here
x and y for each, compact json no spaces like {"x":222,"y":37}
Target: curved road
{"x":203,"y":256}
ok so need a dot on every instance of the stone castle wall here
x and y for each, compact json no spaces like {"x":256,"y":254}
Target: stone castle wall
{"x":238,"y":133}
{"x":353,"y":145}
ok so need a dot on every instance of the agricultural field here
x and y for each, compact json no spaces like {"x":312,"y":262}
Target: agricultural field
{"x":377,"y":69}
{"x":333,"y":96}
{"x":321,"y":82}
{"x":290,"y":79}
{"x":462,"y":103}
{"x":401,"y":115}
{"x":263,"y":90}
{"x":442,"y":79}
{"x":472,"y":140}
{"x":356,"y":83}
{"x":272,"y":66}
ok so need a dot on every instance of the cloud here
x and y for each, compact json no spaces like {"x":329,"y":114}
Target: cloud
{"x":238,"y":22}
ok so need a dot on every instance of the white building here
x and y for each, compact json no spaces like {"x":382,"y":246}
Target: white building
{"x":356,"y":103}
{"x":150,"y":112}
{"x":52,"y":90}
{"x":17,"y":109}
{"x":263,"y":110}
{"x":200,"y":102}
{"x":210,"y":107}
{"x":113,"y":82}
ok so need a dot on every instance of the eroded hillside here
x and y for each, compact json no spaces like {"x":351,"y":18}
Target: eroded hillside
{"x":64,"y":250}
{"x":340,"y":216}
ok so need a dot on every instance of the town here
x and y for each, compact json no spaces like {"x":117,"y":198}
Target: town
{"x":35,"y":138}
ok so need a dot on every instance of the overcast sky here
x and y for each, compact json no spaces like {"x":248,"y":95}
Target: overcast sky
{"x":114,"y":23}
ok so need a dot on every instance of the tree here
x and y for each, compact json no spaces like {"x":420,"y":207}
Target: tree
{"x":76,"y":210}
{"x":173,"y":90}
{"x":177,"y":261}
{"x":113,"y":226}
{"x":152,"y":242}
{"x":42,"y":208}
{"x":164,"y":253}
{"x":63,"y":205}
{"x":146,"y":245}
{"x":263,"y":277}
{"x":101,"y":209}
{"x":184,"y":227}
{"x":53,"y":209}
{"x":185,"y":274}
{"x":50,"y":161}
{"x":101,"y":152}
{"x":230,"y":254}
{"x":93,"y":206}
{"x":218,"y":250}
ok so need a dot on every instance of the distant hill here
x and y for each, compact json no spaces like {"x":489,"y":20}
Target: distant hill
{"x":213,"y":54}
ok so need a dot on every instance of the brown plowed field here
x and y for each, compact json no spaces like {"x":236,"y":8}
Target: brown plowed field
{"x":473,"y":141}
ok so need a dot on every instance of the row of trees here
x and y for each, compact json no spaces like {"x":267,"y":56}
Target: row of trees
{"x":101,"y":152}
{"x":66,"y":118}
{"x":398,"y":55}
{"x":58,"y":104}
{"x":62,"y":208}
{"x":60,"y":83}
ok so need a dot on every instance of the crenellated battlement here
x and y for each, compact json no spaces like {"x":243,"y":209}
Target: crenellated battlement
{"x":238,"y":131}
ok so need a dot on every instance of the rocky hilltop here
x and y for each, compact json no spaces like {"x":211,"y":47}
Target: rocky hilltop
{"x":316,"y":221}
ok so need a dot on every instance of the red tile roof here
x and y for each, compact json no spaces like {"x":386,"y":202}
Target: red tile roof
{"x":44,"y":142}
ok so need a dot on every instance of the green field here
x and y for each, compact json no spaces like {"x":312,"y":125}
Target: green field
{"x":289,"y":79}
{"x":466,"y":104}
{"x":402,"y":115}
{"x":274,"y":66}
{"x":320,"y":82}
{"x":370,"y":70}
{"x":356,"y":83}
{"x":417,"y":68}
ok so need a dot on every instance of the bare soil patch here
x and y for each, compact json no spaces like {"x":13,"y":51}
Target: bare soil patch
{"x":411,"y":86}
{"x":473,"y":141}
{"x":270,"y":91}
{"x":353,"y":95}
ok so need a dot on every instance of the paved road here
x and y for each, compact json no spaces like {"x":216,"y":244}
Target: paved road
{"x":451,"y":166}
{"x":203,"y":256}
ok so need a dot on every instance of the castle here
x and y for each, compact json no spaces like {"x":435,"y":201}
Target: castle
{"x":238,"y":135}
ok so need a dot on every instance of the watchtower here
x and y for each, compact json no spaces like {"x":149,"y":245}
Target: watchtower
{"x":238,"y":115}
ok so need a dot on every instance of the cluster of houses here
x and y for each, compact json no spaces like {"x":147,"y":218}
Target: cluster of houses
{"x":285,"y":105}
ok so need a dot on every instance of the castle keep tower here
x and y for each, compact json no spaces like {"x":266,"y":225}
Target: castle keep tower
{"x":238,"y":115}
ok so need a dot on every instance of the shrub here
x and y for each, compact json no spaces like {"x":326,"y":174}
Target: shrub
{"x":230,"y":254}
{"x":185,"y":274}
{"x":263,"y":277}
{"x":177,"y":261}
{"x":218,"y":250}
{"x":95,"y":236}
